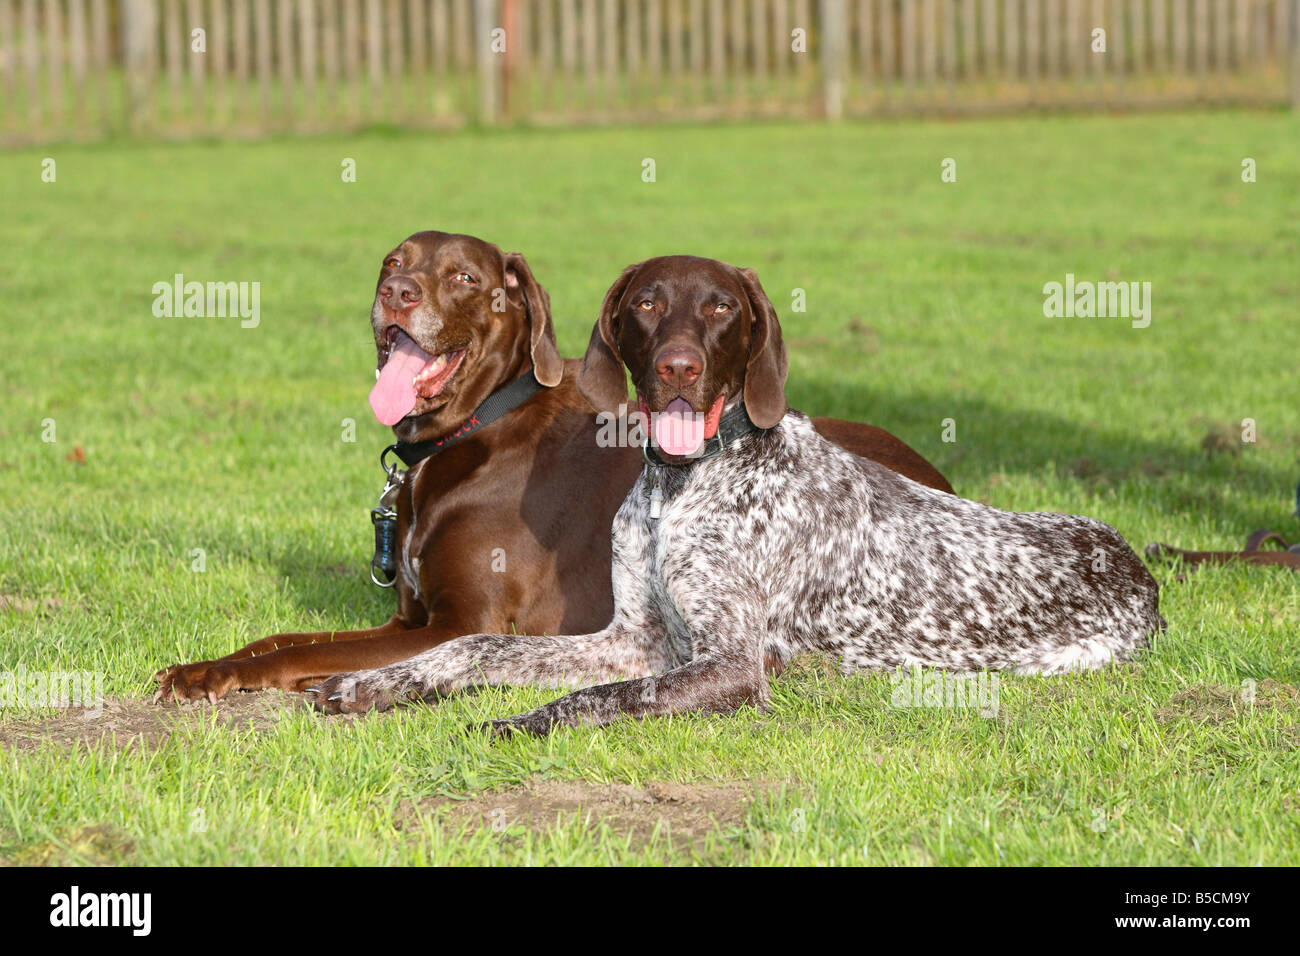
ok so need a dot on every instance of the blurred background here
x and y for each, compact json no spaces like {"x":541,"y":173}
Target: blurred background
{"x":84,"y":69}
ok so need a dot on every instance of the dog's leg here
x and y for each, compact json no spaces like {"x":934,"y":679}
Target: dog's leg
{"x":726,"y":672}
{"x":707,"y":685}
{"x":298,"y":667}
{"x":191,"y":680}
{"x":486,"y":659}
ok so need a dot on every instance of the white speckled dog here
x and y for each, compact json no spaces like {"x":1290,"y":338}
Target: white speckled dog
{"x":749,"y":539}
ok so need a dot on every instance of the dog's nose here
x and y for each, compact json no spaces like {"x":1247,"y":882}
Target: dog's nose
{"x":400,"y":292}
{"x":679,"y":367}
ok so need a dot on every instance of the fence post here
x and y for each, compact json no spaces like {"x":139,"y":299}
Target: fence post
{"x":832,"y":48}
{"x":139,"y":27}
{"x":1293,"y":50}
{"x":489,"y":63}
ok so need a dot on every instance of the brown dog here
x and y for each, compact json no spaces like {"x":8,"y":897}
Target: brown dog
{"x":508,"y":530}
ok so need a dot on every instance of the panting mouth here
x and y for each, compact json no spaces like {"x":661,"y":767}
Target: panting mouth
{"x":408,"y":373}
{"x":679,"y":430}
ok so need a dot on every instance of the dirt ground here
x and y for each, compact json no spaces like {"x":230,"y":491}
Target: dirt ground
{"x":127,"y":723}
{"x":1213,"y":703}
{"x":683,"y":814}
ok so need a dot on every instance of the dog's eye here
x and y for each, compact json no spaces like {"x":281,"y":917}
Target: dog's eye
{"x":466,"y":278}
{"x":721,"y":308}
{"x":645,"y":305}
{"x":392,"y":262}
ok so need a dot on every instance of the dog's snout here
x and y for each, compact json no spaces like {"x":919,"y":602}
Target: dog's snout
{"x":679,"y":367}
{"x":400,"y":292}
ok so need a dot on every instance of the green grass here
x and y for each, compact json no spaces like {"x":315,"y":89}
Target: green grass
{"x":924,"y":303}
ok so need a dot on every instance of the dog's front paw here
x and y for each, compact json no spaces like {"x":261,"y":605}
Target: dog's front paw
{"x":521,"y":725}
{"x":210,"y":679}
{"x":354,"y":693}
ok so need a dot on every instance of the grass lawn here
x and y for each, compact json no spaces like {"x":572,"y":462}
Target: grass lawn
{"x":924,"y":303}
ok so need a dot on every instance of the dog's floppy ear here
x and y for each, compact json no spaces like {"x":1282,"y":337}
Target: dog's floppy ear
{"x":603,"y":381}
{"x":766,"y":370}
{"x":548,"y":366}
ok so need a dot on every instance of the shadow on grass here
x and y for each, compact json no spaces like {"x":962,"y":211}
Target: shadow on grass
{"x":1213,"y":472}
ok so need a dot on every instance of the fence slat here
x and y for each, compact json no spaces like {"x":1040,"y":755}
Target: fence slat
{"x":834,"y":35}
{"x":139,"y":30}
{"x":949,"y":17}
{"x":197,"y":62}
{"x":417,"y":36}
{"x":9,"y":60}
{"x":717,"y":51}
{"x":1201,"y":42}
{"x":1096,"y":18}
{"x":262,"y":39}
{"x":77,"y":65}
{"x":308,"y":47}
{"x":928,"y":38}
{"x":863,"y":41}
{"x":969,"y":36}
{"x":54,"y":59}
{"x":374,"y":51}
{"x":174,"y":36}
{"x":218,"y":56}
{"x":1011,"y":45}
{"x":887,"y":58}
{"x":393,"y":56}
{"x":989,"y":37}
{"x":330,"y":54}
{"x":1181,"y":63}
{"x":909,"y":48}
{"x":1033,"y":39}
{"x":1160,"y":35}
{"x":609,"y":51}
{"x":1141,"y":64}
{"x":1294,"y":64}
{"x":241,"y":54}
{"x":440,"y":41}
{"x":485,"y":20}
{"x":1053,"y":31}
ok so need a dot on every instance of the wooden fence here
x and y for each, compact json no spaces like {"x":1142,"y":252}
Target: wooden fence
{"x":74,"y":69}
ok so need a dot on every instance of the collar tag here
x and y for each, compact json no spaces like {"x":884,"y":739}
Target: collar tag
{"x":383,"y":565}
{"x":656,"y":498}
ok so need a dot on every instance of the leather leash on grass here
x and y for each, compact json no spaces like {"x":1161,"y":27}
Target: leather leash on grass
{"x":1287,"y":557}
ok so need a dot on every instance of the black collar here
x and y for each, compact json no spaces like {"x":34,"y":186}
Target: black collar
{"x":493,"y":407}
{"x":735,"y":424}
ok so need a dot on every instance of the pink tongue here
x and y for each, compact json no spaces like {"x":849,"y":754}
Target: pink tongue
{"x":678,"y":429}
{"x":393,"y":396}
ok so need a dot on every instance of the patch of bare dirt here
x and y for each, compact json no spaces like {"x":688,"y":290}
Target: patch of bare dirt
{"x":1222,"y":438}
{"x":25,"y":605}
{"x":75,"y":846}
{"x":1216,"y":703}
{"x":683,"y":814}
{"x":126,"y":723}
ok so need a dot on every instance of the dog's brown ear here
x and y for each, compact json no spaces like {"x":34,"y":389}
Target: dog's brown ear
{"x":767,"y":368}
{"x":548,"y":366}
{"x":603,"y":382}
